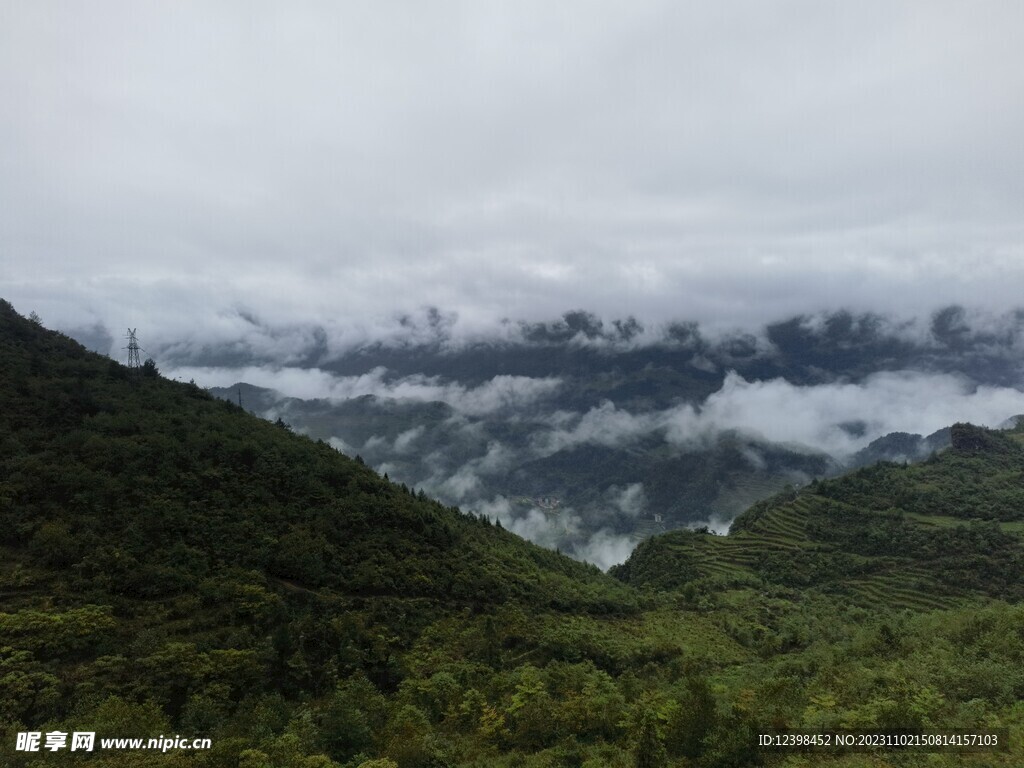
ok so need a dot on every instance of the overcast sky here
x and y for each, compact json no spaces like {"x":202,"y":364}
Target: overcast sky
{"x":165,"y":164}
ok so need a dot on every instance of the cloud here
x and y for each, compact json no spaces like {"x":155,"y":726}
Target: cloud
{"x":374,"y":442}
{"x":173,"y":167}
{"x":715,"y":524}
{"x":501,"y":393}
{"x":630,"y":501}
{"x":497,"y":394}
{"x":340,"y":445}
{"x":388,"y":468}
{"x":566,"y":531}
{"x":465,"y":484}
{"x":814,"y":416}
{"x":462,"y":484}
{"x":753,"y":457}
{"x":405,"y":441}
{"x":605,"y":549}
{"x":457,"y":459}
{"x":604,"y":425}
{"x":533,"y":524}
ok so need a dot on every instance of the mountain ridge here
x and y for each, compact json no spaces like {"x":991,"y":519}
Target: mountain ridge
{"x":174,"y":565}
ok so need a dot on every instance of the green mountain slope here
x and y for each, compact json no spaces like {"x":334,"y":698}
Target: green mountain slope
{"x":144,"y":524}
{"x":170,"y":565}
{"x":925,"y":535}
{"x":186,"y":485}
{"x":681,"y":484}
{"x":928,"y":535}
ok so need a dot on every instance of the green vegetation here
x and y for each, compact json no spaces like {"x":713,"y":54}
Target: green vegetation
{"x":172,"y":565}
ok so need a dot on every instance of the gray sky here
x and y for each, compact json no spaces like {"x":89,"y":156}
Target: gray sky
{"x":165,"y":164}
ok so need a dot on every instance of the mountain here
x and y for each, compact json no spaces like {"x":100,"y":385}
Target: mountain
{"x":637,"y":367}
{"x":504,"y":462}
{"x":588,"y":435}
{"x":923,"y":535}
{"x":147,"y":526}
{"x":94,"y":450}
{"x":175,"y":566}
{"x":900,"y":447}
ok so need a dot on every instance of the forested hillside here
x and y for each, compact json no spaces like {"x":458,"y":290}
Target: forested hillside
{"x":173,"y":565}
{"x":633,"y":431}
{"x":936,"y":532}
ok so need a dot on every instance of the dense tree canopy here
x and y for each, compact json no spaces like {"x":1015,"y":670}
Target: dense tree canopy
{"x":172,"y":565}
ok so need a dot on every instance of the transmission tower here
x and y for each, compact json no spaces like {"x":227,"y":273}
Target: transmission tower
{"x":134,"y":363}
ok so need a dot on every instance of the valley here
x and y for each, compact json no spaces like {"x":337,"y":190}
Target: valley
{"x":172,"y":562}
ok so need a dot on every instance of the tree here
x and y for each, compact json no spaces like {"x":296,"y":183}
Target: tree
{"x":649,"y":751}
{"x":411,"y":740}
{"x":690,"y":720}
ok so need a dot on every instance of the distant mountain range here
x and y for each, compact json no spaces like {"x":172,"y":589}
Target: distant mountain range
{"x":627,"y":430}
{"x":621,"y":360}
{"x":673,"y":487}
{"x":173,"y":565}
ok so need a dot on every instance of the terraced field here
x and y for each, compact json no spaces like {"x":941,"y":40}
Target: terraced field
{"x":736,"y":556}
{"x":894,"y":582}
{"x":785,"y":524}
{"x":947,"y":521}
{"x":904,"y":587}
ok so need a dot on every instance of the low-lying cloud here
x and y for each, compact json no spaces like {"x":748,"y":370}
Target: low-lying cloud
{"x":631,"y":500}
{"x":605,"y":549}
{"x":506,"y":450}
{"x":565,"y":530}
{"x":497,"y":394}
{"x":604,"y":425}
{"x":815,"y":417}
